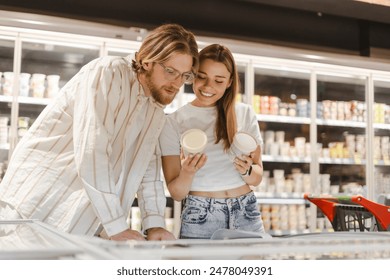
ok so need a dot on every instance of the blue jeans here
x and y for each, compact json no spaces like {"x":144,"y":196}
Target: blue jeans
{"x":202,"y":216}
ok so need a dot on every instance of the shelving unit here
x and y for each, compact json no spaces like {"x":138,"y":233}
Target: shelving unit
{"x":291,"y":81}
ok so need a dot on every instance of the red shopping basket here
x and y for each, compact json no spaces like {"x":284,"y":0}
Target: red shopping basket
{"x":353,"y":213}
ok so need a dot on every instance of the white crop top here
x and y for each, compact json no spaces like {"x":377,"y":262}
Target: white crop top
{"x":219,"y":172}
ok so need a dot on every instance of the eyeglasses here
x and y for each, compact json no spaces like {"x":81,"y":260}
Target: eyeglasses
{"x":172,"y":74}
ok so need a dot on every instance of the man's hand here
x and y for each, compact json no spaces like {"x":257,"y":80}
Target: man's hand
{"x":159,"y":234}
{"x":128,"y":235}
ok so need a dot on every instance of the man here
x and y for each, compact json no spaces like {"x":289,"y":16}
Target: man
{"x":92,"y":150}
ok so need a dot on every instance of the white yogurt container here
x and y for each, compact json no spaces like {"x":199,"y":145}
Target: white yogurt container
{"x":243,"y":144}
{"x":193,"y":141}
{"x":24,"y":84}
{"x":52,"y":85}
{"x":38,"y":85}
{"x":8,"y":83}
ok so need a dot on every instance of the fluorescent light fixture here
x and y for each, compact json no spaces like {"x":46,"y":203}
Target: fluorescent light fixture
{"x":376,"y":2}
{"x":35,"y":22}
{"x":312,"y":56}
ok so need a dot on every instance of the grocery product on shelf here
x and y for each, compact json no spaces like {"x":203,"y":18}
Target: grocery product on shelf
{"x":8,"y":83}
{"x":24,"y":84}
{"x":38,"y":85}
{"x":52,"y":85}
{"x":3,"y":130}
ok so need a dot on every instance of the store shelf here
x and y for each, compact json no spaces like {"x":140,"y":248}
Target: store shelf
{"x":26,"y":100}
{"x":4,"y":146}
{"x":33,"y":100}
{"x":385,"y":126}
{"x":341,"y":123}
{"x":287,"y":159}
{"x":282,"y":119}
{"x":280,"y":198}
{"x":5,"y":98}
{"x":382,"y":162}
{"x":341,"y":161}
{"x":278,"y":201}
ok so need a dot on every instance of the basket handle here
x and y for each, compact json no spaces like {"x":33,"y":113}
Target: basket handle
{"x":381,"y":212}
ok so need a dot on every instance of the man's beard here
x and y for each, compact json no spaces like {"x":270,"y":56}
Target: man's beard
{"x":156,"y":92}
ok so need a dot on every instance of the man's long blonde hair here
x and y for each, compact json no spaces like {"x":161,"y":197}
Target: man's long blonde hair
{"x":164,"y":42}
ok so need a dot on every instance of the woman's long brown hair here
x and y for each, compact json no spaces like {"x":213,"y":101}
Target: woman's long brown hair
{"x":226,"y":124}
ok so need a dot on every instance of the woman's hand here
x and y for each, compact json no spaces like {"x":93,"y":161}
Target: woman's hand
{"x":192,"y":163}
{"x":250,"y":167}
{"x":243,"y":164}
{"x":179,"y":172}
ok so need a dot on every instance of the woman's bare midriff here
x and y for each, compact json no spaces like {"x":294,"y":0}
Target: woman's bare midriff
{"x":231,"y":193}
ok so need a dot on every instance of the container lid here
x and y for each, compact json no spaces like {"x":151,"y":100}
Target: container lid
{"x":194,"y":140}
{"x":244,"y":142}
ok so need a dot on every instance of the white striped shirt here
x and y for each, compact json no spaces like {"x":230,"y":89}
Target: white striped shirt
{"x":89,"y":153}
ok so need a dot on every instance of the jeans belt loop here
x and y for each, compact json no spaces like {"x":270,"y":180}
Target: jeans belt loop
{"x":240,"y":199}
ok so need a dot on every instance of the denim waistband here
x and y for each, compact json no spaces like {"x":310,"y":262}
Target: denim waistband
{"x":215,"y":202}
{"x":221,"y":199}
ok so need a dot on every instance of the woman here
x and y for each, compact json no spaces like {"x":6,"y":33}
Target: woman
{"x":216,"y":189}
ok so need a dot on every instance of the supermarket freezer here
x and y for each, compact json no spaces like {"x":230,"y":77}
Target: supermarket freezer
{"x":318,"y":246}
{"x":30,"y":239}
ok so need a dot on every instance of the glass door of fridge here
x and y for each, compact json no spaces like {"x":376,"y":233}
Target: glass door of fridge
{"x":342,"y":120}
{"x":341,"y":134}
{"x":281,"y":100}
{"x":7,"y":80}
{"x":46,"y":66}
{"x":381,"y":146}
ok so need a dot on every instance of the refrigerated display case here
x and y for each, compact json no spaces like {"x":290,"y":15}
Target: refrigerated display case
{"x":321,"y":115}
{"x":309,"y":246}
{"x":32,"y":240}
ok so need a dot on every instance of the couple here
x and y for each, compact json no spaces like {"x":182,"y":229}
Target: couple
{"x":96,"y":146}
